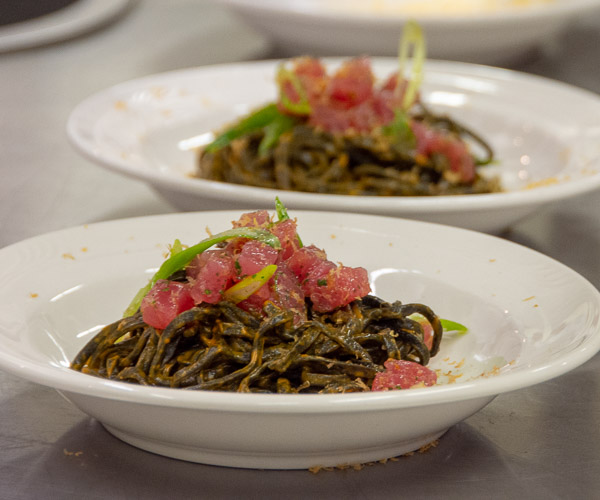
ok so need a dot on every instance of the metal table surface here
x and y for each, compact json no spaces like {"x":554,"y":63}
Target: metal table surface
{"x":540,"y":442}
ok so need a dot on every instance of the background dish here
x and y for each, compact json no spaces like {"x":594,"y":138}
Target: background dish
{"x":481,"y":34}
{"x":544,"y":133}
{"x":531,"y":319}
{"x":68,"y":22}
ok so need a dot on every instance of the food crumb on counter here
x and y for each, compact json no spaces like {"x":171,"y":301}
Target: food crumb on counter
{"x":426,"y":447}
{"x":72,"y":453}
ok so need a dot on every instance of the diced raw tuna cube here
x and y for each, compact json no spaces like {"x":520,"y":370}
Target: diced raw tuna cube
{"x":400,"y":374}
{"x":165,"y":301}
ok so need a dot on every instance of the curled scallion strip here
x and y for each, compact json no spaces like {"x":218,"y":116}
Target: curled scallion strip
{"x":280,"y":124}
{"x":453,"y":326}
{"x":412,"y":37}
{"x":400,"y":130}
{"x":255,"y":121}
{"x":282,"y":215}
{"x":302,"y":107}
{"x":280,"y":210}
{"x":248,"y":285}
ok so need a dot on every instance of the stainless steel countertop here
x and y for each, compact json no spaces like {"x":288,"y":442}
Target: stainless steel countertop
{"x":540,"y":442}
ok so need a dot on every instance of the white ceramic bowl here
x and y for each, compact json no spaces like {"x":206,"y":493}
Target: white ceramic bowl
{"x":544,"y":133}
{"x":530,"y":319}
{"x":482,"y":34}
{"x":67,"y":22}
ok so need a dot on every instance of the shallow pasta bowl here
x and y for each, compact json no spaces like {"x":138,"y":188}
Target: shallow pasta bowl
{"x":530,"y":319}
{"x":485,"y":31}
{"x":544,"y":133}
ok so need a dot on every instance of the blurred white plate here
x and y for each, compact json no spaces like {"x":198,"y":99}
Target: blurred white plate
{"x":484,"y":31}
{"x":530,"y":319}
{"x":544,"y":133}
{"x":70,"y":21}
